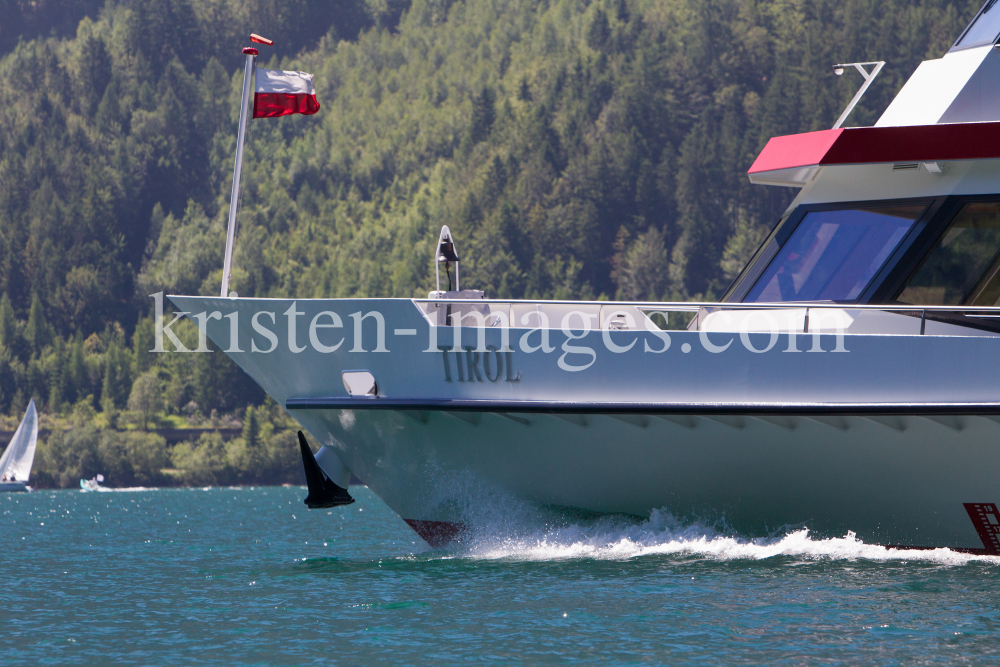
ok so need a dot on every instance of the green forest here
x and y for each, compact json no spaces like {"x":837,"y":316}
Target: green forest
{"x":576,"y":148}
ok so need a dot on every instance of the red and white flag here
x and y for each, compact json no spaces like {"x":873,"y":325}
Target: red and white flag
{"x":282,"y":92}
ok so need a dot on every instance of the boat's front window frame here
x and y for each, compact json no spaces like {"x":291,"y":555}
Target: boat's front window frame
{"x":988,"y":12}
{"x":786,"y":231}
{"x":943,"y":223}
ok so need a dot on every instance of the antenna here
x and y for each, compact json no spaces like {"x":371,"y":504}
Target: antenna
{"x":869,"y":77}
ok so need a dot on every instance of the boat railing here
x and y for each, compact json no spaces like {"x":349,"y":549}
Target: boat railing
{"x":695,"y":312}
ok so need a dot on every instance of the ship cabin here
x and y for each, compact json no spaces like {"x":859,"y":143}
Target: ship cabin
{"x":895,"y":228}
{"x":903,"y":213}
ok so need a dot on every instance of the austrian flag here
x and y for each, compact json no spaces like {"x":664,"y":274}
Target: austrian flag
{"x":281,"y":92}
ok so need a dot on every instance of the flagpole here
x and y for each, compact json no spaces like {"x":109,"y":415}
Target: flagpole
{"x":234,"y":200}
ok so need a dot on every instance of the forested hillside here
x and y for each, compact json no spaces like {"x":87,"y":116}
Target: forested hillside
{"x":576,"y":148}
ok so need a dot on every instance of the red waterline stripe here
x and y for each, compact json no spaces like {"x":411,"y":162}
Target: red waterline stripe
{"x":436,"y":533}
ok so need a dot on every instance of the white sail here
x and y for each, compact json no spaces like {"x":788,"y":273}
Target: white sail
{"x":15,"y":464}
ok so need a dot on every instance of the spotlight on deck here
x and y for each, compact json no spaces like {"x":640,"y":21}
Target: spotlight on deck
{"x":869,"y":76}
{"x":446,"y":254}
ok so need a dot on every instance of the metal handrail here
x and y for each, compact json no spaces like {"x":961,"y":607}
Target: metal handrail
{"x":695,"y":306}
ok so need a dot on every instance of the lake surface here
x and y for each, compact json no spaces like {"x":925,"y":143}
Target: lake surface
{"x":250,"y":576}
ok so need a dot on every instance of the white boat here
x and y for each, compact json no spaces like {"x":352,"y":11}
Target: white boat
{"x":15,"y":464}
{"x":93,"y":484}
{"x":847,"y":380}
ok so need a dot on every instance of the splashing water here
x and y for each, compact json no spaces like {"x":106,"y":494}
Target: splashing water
{"x":501,"y":526}
{"x":612,"y":538}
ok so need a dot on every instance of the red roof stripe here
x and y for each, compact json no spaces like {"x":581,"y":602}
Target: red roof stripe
{"x":795,"y":150}
{"x":860,"y":145}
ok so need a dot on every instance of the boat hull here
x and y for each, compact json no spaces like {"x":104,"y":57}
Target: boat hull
{"x":891,"y":479}
{"x":890,"y":437}
{"x":14,"y":487}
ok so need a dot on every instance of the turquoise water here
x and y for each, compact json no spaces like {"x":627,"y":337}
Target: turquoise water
{"x":250,"y":576}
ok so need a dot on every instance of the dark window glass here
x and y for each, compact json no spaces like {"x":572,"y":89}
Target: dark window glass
{"x":984,"y":28}
{"x":833,"y":255}
{"x":955,"y":270}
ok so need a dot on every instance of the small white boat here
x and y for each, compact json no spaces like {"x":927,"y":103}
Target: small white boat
{"x":15,"y":464}
{"x":93,"y":484}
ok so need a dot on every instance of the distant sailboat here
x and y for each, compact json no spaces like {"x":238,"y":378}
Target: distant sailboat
{"x":15,"y":464}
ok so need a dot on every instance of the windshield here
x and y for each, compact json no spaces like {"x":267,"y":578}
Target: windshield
{"x":983,"y":29}
{"x":833,"y":255}
{"x":961,"y":268}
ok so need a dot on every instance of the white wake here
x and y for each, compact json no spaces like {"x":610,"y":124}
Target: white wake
{"x":612,"y":538}
{"x":499,"y":525}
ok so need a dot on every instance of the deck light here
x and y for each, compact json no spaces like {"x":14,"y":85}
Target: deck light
{"x":446,"y":253}
{"x":446,"y":250}
{"x":838,"y":69}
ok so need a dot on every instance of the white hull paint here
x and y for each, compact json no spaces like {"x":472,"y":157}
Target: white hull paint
{"x":891,"y":480}
{"x":888,"y":439}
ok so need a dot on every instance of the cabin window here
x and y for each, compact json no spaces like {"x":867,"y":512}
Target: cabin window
{"x":962,"y":268}
{"x":833,"y":255}
{"x":983,"y":29}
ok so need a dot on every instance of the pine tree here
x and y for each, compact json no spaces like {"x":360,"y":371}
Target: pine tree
{"x":110,"y":387}
{"x":251,"y":429}
{"x":8,"y":381}
{"x":95,"y":72}
{"x":36,"y":382}
{"x":142,"y":342}
{"x":57,"y":378}
{"x":117,"y":384}
{"x":483,"y":115}
{"x":78,"y":377}
{"x":38,"y":328}
{"x":523,"y":91}
{"x":8,"y":323}
{"x":600,"y":30}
